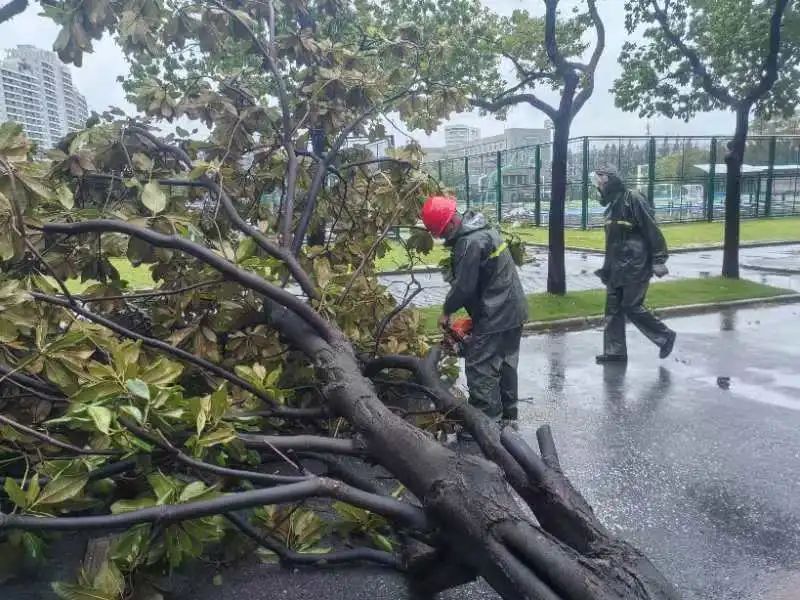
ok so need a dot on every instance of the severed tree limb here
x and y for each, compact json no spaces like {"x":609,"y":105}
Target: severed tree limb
{"x":289,"y":557}
{"x":292,"y":264}
{"x":154,"y":294}
{"x":199,"y":465}
{"x":312,"y":443}
{"x":337,"y":468}
{"x":319,"y":487}
{"x":245,"y":278}
{"x":53,"y":441}
{"x":28,"y":381}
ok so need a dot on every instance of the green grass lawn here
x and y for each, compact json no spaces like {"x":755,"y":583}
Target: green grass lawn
{"x":685,"y":235}
{"x":547,"y":307}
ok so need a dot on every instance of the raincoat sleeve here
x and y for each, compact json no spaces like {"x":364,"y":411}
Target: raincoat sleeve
{"x":466,"y":269}
{"x":646,"y":222}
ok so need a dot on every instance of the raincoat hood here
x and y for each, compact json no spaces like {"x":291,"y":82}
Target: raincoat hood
{"x":470,"y":222}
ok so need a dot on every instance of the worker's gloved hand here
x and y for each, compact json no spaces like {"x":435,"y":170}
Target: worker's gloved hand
{"x":444,"y":321}
{"x":660,"y":270}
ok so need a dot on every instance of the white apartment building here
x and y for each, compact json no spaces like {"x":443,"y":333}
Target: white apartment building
{"x":458,"y":136}
{"x":36,"y":91}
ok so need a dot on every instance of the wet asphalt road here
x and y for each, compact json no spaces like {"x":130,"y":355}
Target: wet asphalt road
{"x":702,"y":475}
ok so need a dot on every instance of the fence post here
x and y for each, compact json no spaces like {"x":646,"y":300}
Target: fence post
{"x":537,"y":197}
{"x":651,"y":171}
{"x":585,"y":186}
{"x":770,"y":177}
{"x":499,"y":186}
{"x":466,"y":179}
{"x":712,"y":173}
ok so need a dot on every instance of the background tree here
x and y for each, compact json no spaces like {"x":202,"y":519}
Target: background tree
{"x":262,"y":381}
{"x":546,"y":54}
{"x":698,"y":56}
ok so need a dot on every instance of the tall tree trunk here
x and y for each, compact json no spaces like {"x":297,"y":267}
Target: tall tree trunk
{"x":556,"y":271}
{"x":733,"y":199}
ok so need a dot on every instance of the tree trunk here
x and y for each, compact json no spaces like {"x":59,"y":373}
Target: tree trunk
{"x":482,"y":529}
{"x":556,"y":271}
{"x":733,"y":198}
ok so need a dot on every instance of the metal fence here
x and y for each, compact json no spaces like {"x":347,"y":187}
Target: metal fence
{"x":684,"y":177}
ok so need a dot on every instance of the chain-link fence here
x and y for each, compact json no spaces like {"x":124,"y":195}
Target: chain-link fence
{"x":684,"y":177}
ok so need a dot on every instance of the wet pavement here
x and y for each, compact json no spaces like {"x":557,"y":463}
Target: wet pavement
{"x":706,"y":480}
{"x":778,"y":266}
{"x":695,"y":459}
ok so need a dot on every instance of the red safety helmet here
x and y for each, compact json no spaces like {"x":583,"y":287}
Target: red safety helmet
{"x":437,"y":212}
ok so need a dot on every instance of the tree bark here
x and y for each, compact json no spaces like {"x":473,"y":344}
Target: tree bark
{"x":733,"y":198}
{"x":556,"y":270}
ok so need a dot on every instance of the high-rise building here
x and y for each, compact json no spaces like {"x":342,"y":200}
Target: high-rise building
{"x":458,"y":136}
{"x":36,"y":91}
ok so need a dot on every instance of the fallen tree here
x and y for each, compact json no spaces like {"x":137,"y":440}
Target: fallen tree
{"x":237,"y":398}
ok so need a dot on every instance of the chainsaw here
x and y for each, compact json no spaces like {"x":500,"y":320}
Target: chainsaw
{"x":456,"y":336}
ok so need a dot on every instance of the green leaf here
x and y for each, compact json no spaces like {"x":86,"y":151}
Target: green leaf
{"x":222,"y":435}
{"x":153,"y":197}
{"x":191,"y":491}
{"x":245,"y":249}
{"x":109,"y":580}
{"x":62,"y":489}
{"x":15,"y":493}
{"x":33,"y":491}
{"x":97,"y":392}
{"x":130,"y":543}
{"x":219,"y":404}
{"x":122,"y":506}
{"x":164,"y":487}
{"x":101,"y":417}
{"x":381,"y":542}
{"x":72,"y":591}
{"x":133,"y":411}
{"x":65,"y":197}
{"x":142,"y":162}
{"x":161,"y":372}
{"x":203,"y":407}
{"x":138,"y":388}
{"x":34,"y":545}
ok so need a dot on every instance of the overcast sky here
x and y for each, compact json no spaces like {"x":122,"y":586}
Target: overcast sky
{"x":97,"y":81}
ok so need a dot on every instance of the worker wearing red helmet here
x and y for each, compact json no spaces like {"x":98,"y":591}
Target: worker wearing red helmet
{"x":483,"y":281}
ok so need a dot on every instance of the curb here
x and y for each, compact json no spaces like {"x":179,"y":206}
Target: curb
{"x":579,"y":323}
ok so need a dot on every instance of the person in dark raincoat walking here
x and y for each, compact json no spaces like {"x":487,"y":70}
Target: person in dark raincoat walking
{"x":485,"y":283}
{"x":635,"y":251}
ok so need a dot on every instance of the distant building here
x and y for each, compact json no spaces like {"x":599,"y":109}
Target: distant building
{"x":378,"y":148}
{"x":461,"y":140}
{"x":458,"y":136}
{"x":36,"y":91}
{"x":518,"y":161}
